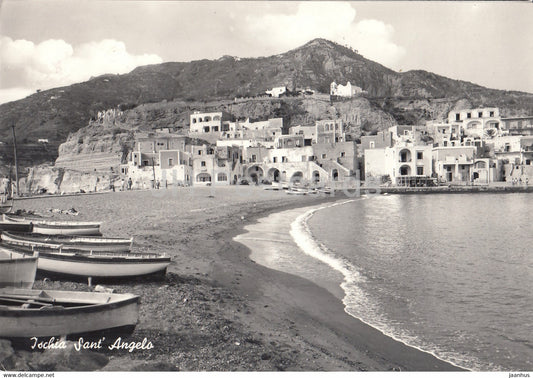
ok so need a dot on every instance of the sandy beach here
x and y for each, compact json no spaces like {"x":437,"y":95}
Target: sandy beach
{"x":216,"y":309}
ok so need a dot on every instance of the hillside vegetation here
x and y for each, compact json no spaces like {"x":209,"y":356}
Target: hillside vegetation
{"x":165,"y":94}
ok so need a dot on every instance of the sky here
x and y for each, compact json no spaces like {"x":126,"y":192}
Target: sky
{"x":51,"y":43}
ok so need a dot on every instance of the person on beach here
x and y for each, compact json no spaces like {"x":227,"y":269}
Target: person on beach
{"x":130,"y":183}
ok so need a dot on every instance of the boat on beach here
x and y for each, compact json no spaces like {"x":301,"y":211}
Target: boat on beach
{"x":92,"y":264}
{"x":17,"y":271}
{"x":45,"y":227}
{"x":83,"y":243}
{"x":26,"y":313}
{"x":48,"y":227}
{"x":15,"y":224}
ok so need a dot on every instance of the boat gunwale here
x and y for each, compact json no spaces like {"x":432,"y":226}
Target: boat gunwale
{"x":12,"y":311}
{"x":94,"y":257}
{"x":87,"y":240}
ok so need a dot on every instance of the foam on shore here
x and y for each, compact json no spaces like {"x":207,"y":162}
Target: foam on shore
{"x":277,"y":242}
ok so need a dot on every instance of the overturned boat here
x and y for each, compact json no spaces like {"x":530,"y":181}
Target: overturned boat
{"x":83,"y":243}
{"x":26,"y":313}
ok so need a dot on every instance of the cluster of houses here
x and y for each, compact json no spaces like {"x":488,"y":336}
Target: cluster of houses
{"x":242,"y":152}
{"x":474,"y":146}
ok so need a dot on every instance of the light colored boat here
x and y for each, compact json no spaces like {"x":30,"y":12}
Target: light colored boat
{"x":48,"y":227}
{"x":83,"y":243}
{"x":17,"y":271}
{"x":93,"y":264}
{"x":325,"y":190}
{"x":26,"y":313}
{"x":66,"y":228}
{"x":297,"y":191}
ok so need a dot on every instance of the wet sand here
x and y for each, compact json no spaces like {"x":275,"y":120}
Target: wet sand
{"x":216,"y":309}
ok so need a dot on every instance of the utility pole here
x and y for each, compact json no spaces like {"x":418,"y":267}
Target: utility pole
{"x":15,"y":153}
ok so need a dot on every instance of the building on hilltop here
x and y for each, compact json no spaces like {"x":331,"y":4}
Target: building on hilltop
{"x":347,"y":90}
{"x":276,"y":91}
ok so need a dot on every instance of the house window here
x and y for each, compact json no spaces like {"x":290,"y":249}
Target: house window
{"x":284,"y":159}
{"x":254,"y":158}
{"x":468,"y":115}
{"x":372,"y":144}
{"x":203,"y":164}
{"x":457,"y":116}
{"x":199,"y":152}
{"x":419,"y":155}
{"x":222,"y":177}
{"x":445,"y":143}
{"x":304,"y":158}
{"x":419,"y":171}
{"x":206,"y":129}
{"x":170,"y":162}
{"x":343,"y":154}
{"x":215,"y":128}
{"x":275,"y":159}
{"x":491,"y":114}
{"x":480,"y":114}
{"x":324,"y":156}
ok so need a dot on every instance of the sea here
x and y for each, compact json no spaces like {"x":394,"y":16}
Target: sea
{"x":449,"y":274}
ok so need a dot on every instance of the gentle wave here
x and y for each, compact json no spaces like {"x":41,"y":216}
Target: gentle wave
{"x":356,"y":302}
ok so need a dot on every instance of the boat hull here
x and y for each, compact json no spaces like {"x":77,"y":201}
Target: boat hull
{"x":98,"y":312}
{"x":15,"y":226}
{"x":17,"y":272}
{"x":97,"y":265}
{"x":66,"y":228}
{"x":69,"y":242}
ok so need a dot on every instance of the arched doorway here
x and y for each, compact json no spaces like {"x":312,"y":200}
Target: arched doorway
{"x":335,"y":175}
{"x":405,"y":170}
{"x":297,"y":177}
{"x":255,"y":173}
{"x":274,"y":175}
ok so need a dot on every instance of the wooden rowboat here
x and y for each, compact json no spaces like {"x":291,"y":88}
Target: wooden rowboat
{"x":48,"y":227}
{"x":17,"y":271}
{"x":83,"y":243}
{"x":93,"y":264}
{"x":28,"y":313}
{"x":66,"y":228}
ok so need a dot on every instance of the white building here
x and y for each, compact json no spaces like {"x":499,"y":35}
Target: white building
{"x":347,"y":90}
{"x":403,"y":165}
{"x":276,"y":91}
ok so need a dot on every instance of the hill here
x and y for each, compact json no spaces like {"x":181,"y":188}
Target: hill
{"x":55,"y":113}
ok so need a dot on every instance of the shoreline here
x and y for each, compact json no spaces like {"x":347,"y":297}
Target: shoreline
{"x":216,"y":309}
{"x":495,"y":187}
{"x":404,"y":356}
